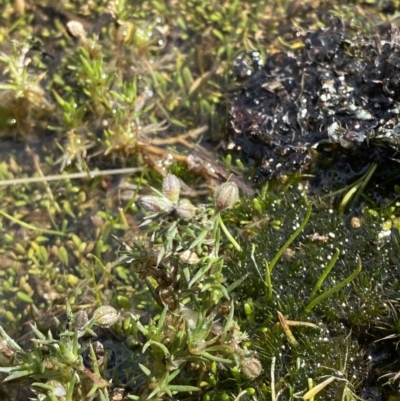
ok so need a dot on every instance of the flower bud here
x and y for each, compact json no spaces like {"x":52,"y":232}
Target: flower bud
{"x":185,"y":209}
{"x":67,"y":355}
{"x":156,"y":204}
{"x":251,"y":367}
{"x":171,"y":187}
{"x":226,"y":195}
{"x":106,"y":316}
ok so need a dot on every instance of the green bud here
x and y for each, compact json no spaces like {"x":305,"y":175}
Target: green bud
{"x":171,"y":187}
{"x":396,"y":224}
{"x":185,"y":209}
{"x":67,"y":355}
{"x":226,"y":195}
{"x":250,"y":390}
{"x":156,"y":204}
{"x":106,"y":316}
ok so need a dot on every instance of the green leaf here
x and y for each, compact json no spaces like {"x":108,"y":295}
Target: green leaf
{"x":334,"y":289}
{"x":24,"y":297}
{"x":38,"y":333}
{"x":183,"y":388}
{"x":160,"y":325}
{"x":145,"y":370}
{"x":63,"y":255}
{"x":199,"y":240}
{"x":154,"y":392}
{"x":237,"y":283}
{"x":201,"y":272}
{"x":291,"y":239}
{"x":325,"y":274}
{"x":218,"y":34}
{"x":8,"y":369}
{"x":10,"y":341}
{"x":178,"y":123}
{"x":17,"y":374}
{"x":71,"y":386}
{"x":157,"y":344}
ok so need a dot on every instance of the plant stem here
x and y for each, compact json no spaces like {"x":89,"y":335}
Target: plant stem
{"x":334,"y":289}
{"x":357,"y":189}
{"x":58,"y":177}
{"x":290,"y":240}
{"x":268,"y":281}
{"x":30,"y":226}
{"x":228,"y":234}
{"x":324,"y":274}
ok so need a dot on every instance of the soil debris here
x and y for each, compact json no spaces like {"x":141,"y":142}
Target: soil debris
{"x":330,"y":103}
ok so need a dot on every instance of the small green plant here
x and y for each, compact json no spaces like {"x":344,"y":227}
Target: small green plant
{"x":55,"y":366}
{"x":182,"y":264}
{"x":21,"y":96}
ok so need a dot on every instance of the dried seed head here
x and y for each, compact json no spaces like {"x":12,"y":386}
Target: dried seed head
{"x":106,"y":316}
{"x":355,"y":222}
{"x":189,"y":257}
{"x":57,"y":389}
{"x":185,"y":209}
{"x":81,"y":319}
{"x":171,"y":187}
{"x":76,"y":29}
{"x":5,"y":349}
{"x":251,"y":367}
{"x":226,"y":195}
{"x":191,"y":317}
{"x":156,"y":204}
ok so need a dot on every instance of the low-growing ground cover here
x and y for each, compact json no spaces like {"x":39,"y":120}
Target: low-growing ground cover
{"x":139,"y":260}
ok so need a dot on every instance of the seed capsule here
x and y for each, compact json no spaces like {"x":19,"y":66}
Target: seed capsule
{"x":171,"y":187}
{"x":251,"y":367}
{"x":226,"y":195}
{"x":189,"y":257}
{"x":81,"y":319}
{"x":57,"y":389}
{"x":156,"y":204}
{"x":77,"y":30}
{"x":185,"y":209}
{"x":106,"y":316}
{"x":355,"y":222}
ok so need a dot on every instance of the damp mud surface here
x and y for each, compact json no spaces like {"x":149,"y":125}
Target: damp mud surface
{"x":328,"y":105}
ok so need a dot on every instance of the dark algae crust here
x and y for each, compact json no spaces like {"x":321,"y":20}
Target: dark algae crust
{"x":331,"y":101}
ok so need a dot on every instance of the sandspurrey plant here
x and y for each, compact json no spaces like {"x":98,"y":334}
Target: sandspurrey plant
{"x":190,"y":338}
{"x":60,"y":365}
{"x":183,"y":266}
